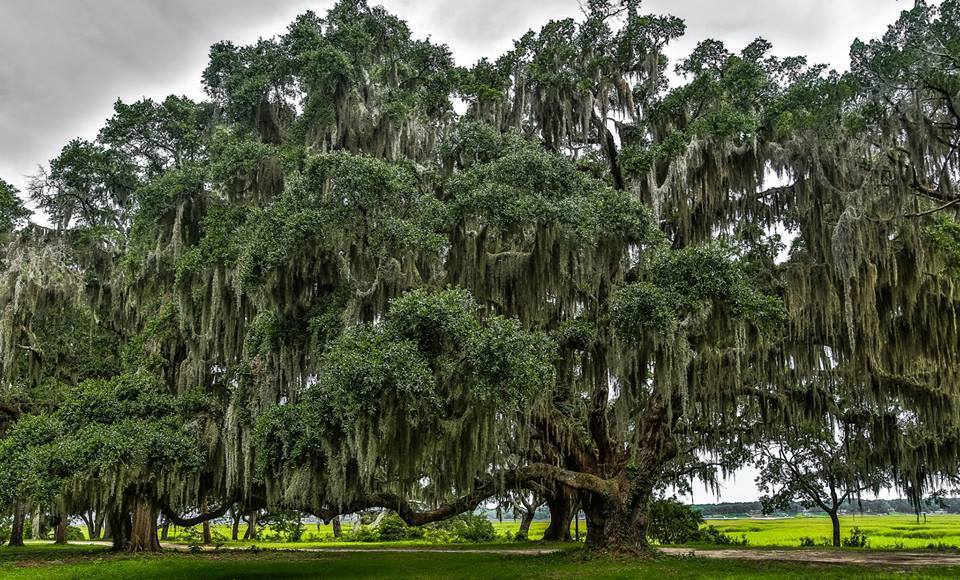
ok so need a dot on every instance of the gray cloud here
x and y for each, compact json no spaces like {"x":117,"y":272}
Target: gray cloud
{"x":64,"y":62}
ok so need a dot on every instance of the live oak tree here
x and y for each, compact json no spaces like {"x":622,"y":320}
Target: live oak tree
{"x":819,"y":466}
{"x":577,"y":284}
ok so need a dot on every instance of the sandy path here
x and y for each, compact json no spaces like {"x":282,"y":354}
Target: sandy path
{"x":863,"y":558}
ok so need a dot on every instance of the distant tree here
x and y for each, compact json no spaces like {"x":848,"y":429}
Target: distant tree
{"x":819,"y":467}
{"x":12,"y":211}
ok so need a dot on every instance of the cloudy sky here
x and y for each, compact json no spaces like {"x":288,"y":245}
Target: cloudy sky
{"x":64,"y":62}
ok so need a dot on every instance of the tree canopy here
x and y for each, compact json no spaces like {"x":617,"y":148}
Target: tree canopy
{"x":362,"y":276}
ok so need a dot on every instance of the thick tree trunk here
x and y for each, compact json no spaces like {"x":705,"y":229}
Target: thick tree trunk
{"x":16,"y":530}
{"x":525,"y":522}
{"x":143,"y":531}
{"x":235,"y":532}
{"x":251,"y":533}
{"x":562,"y":504}
{"x":120,"y":528}
{"x":835,"y":520}
{"x":337,"y":528}
{"x":98,"y":523}
{"x":35,"y":524}
{"x":617,"y":523}
{"x":60,"y":533}
{"x":207,"y":539}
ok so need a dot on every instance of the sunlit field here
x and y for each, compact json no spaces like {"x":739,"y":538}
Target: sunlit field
{"x":883,"y":532}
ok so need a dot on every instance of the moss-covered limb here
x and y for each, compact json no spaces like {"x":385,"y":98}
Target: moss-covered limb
{"x":482,"y":490}
{"x":205,"y":516}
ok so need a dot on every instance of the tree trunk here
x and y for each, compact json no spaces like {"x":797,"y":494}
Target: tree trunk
{"x":60,"y":532}
{"x":207,"y":540}
{"x":120,"y":527}
{"x":562,"y":504}
{"x":98,"y":523}
{"x":835,"y":520}
{"x":35,"y":524}
{"x":16,"y":530}
{"x":525,"y":522}
{"x":93,"y":521}
{"x":616,"y":523}
{"x":251,"y":533}
{"x":337,"y":528}
{"x":165,"y":529}
{"x":235,"y":532}
{"x":143,"y":530}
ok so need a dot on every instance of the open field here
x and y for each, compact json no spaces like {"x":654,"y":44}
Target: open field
{"x":49,"y":562}
{"x":883,"y":532}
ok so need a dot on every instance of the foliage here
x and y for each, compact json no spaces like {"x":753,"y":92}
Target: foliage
{"x":327,"y":290}
{"x":856,"y":539}
{"x":672,"y":522}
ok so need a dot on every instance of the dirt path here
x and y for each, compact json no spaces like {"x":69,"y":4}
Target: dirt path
{"x":886,"y":559}
{"x":893,"y":559}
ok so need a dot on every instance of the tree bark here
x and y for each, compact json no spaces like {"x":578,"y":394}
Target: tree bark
{"x":525,"y":522}
{"x":165,"y":529}
{"x":562,"y":503}
{"x":251,"y":533}
{"x":207,"y":539}
{"x":618,"y":522}
{"x":35,"y":524}
{"x":143,"y":530}
{"x":94,"y":522}
{"x":16,"y":530}
{"x":337,"y":527}
{"x":835,"y":520}
{"x":60,"y":533}
{"x":120,"y":527}
{"x":235,"y":532}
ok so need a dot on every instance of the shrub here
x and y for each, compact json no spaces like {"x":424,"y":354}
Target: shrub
{"x":416,"y":532}
{"x":392,"y":528}
{"x":672,"y":522}
{"x":712,"y":535}
{"x":363,"y":534}
{"x":857,"y":539}
{"x":475,"y":529}
{"x":74,"y":533}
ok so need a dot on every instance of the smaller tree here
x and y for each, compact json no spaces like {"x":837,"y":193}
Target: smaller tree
{"x":817,"y":466}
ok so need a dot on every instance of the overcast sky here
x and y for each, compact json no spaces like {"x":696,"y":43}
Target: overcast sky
{"x":64,"y":62}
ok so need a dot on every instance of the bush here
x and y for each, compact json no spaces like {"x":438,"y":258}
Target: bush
{"x":392,"y":528}
{"x":475,"y":529}
{"x":857,"y":539}
{"x":672,"y":522}
{"x":363,"y":534}
{"x":711,"y":535}
{"x":416,"y":532}
{"x":75,"y":533}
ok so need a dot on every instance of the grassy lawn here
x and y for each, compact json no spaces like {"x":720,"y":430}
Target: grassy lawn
{"x":884,"y":532}
{"x":43,"y":562}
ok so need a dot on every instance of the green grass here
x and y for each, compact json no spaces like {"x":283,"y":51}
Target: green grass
{"x":48,"y":562}
{"x":884,"y":532}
